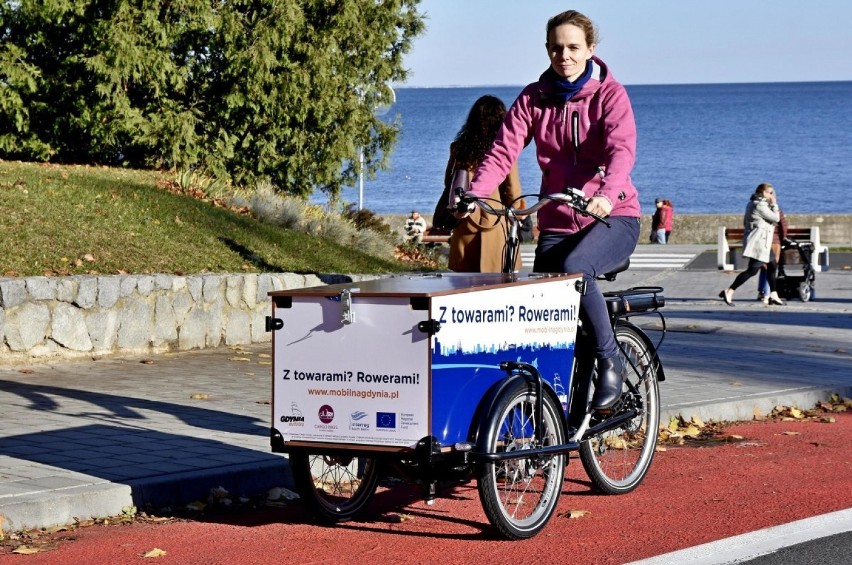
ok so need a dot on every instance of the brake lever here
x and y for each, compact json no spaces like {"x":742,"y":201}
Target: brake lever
{"x":464,"y":204}
{"x":579,"y":202}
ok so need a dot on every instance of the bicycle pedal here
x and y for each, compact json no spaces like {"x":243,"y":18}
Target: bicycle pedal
{"x":612,"y":410}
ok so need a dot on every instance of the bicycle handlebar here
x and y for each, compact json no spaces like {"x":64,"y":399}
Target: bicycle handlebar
{"x":573,"y":197}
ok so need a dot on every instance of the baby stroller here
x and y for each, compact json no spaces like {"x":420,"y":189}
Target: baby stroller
{"x":796,"y":286}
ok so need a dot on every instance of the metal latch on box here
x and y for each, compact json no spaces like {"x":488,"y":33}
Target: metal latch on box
{"x":273,"y":324}
{"x":347,"y":315}
{"x":429,"y":326}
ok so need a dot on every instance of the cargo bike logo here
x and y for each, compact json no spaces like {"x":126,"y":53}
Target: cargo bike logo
{"x":326,"y":417}
{"x":326,"y":414}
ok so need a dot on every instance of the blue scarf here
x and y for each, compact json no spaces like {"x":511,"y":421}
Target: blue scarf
{"x":563,"y":88}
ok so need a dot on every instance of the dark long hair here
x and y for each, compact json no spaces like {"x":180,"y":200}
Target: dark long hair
{"x":479,"y":130}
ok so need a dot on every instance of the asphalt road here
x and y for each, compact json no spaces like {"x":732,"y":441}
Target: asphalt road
{"x":778,"y":473}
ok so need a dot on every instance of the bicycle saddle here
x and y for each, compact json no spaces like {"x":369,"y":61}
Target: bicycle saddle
{"x":610,"y":275}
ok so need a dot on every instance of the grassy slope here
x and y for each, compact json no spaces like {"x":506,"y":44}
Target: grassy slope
{"x":62,"y":220}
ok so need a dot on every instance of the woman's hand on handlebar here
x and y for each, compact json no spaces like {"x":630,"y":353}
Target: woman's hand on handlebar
{"x":464,"y":205}
{"x":599,"y":206}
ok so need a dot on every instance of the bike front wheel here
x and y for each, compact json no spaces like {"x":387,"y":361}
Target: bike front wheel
{"x":335,"y":488}
{"x":520,"y":495}
{"x":618,"y":459}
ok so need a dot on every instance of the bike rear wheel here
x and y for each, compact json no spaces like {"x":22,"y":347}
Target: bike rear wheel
{"x":617,"y":460}
{"x":520,"y":495}
{"x":335,"y":488}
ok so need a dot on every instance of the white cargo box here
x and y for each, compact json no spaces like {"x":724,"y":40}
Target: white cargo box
{"x":386,"y":363}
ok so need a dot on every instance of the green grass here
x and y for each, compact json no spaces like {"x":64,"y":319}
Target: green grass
{"x":65,"y":220}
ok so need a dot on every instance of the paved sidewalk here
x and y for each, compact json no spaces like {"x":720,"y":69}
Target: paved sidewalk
{"x":81,"y":439}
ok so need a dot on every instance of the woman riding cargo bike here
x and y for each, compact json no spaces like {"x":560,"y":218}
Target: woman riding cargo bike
{"x":504,"y":389}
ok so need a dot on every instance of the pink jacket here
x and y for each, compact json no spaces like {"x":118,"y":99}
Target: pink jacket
{"x":587,"y":143}
{"x":668,"y":222}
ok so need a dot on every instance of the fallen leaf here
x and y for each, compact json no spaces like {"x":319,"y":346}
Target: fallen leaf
{"x":790,"y":433}
{"x":156,"y":552}
{"x":264,"y":362}
{"x":398,"y":518}
{"x":264,"y":355}
{"x":26,"y":371}
{"x":239,"y":359}
{"x":574,"y":513}
{"x":89,"y":257}
{"x":697,"y":421}
{"x":147,"y":361}
{"x":200,"y":396}
{"x":25,"y":550}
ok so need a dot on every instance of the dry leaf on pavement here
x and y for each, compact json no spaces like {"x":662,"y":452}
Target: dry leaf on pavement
{"x":574,"y":513}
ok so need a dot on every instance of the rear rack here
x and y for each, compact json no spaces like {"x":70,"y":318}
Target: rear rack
{"x":634,"y":300}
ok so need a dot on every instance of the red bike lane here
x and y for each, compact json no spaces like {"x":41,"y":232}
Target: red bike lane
{"x":780,"y":471}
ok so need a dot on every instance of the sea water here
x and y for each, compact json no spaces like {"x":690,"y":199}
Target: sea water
{"x":704,"y":147}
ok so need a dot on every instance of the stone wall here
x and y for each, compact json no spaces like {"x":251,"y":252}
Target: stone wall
{"x":44,"y":318}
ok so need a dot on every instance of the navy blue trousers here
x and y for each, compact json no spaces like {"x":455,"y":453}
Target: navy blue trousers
{"x":592,"y":251}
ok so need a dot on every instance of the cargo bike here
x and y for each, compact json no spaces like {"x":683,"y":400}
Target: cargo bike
{"x":439,"y":379}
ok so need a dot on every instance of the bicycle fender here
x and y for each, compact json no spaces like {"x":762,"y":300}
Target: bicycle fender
{"x":492,"y":399}
{"x":659,"y":373}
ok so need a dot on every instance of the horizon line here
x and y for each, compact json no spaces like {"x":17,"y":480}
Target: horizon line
{"x":509,"y":85}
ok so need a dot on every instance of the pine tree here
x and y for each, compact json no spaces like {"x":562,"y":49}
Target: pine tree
{"x":246,"y":90}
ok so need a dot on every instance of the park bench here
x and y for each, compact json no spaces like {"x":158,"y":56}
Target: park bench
{"x":435,"y":236}
{"x":730,"y":243}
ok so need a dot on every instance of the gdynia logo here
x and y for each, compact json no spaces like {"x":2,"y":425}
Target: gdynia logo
{"x":296,"y":415}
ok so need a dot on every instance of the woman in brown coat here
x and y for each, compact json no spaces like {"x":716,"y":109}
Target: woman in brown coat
{"x":478,"y":241}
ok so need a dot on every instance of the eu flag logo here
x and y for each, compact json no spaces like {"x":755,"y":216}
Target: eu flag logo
{"x":385,"y":419}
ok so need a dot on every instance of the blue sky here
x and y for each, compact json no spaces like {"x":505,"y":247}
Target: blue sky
{"x":501,"y":42}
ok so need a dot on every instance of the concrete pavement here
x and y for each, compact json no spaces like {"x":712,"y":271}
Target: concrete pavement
{"x":88,"y":438}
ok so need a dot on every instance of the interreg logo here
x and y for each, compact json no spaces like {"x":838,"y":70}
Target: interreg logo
{"x":326,"y":414}
{"x":357,"y":421}
{"x":386,"y":420}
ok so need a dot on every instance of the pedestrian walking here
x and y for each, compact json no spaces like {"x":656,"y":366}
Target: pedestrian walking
{"x":759,"y":221}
